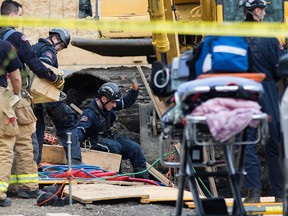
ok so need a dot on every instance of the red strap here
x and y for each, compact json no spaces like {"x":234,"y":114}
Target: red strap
{"x":13,"y":120}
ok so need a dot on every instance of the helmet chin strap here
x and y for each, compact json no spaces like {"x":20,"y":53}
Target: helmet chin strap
{"x":54,"y":45}
{"x":260,"y":17}
{"x":104,"y":104}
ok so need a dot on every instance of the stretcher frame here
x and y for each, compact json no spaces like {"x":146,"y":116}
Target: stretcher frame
{"x":191,"y":139}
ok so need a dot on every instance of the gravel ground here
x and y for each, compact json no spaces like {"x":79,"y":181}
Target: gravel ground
{"x":123,"y":208}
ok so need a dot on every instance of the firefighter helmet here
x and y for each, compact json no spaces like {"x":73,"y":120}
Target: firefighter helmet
{"x":63,"y":34}
{"x":110,"y":90}
{"x":251,"y":4}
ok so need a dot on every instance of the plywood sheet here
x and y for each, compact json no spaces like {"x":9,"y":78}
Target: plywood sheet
{"x":53,"y":154}
{"x":163,"y":194}
{"x":88,"y":193}
{"x":107,"y":161}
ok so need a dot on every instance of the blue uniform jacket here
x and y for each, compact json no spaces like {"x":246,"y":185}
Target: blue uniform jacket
{"x":46,"y":52}
{"x":265,"y":54}
{"x":91,"y":123}
{"x":27,"y":56}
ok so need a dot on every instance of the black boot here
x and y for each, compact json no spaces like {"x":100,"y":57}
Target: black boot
{"x":253,"y":196}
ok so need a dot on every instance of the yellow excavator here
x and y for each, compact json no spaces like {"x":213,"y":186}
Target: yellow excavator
{"x":115,"y":42}
{"x":118,"y":43}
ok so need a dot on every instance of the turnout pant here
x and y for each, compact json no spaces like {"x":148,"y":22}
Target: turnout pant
{"x":8,"y":132}
{"x":24,"y":173}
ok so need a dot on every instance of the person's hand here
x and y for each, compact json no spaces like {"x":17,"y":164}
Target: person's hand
{"x":285,"y":45}
{"x":59,"y":81}
{"x":134,"y":82}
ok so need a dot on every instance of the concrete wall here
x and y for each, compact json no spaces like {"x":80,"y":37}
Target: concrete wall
{"x":73,"y":56}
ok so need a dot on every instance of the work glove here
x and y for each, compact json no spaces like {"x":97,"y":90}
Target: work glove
{"x":134,"y":82}
{"x":59,"y":81}
{"x":285,"y":45}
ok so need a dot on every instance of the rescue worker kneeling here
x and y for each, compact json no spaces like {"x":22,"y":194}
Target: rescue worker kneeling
{"x":97,"y":119}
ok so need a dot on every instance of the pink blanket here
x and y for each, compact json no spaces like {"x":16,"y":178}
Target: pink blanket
{"x":227,"y":117}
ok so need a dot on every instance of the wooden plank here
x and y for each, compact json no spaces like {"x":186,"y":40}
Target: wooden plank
{"x":211,"y":179}
{"x":229,"y":202}
{"x":159,"y":176}
{"x":53,"y":154}
{"x":54,"y":69}
{"x":163,"y":194}
{"x":75,"y":108}
{"x":107,"y":161}
{"x":89,"y":193}
{"x":52,"y":181}
{"x":111,"y":182}
{"x":158,"y":105}
{"x":75,"y":181}
{"x":42,"y":90}
{"x":200,"y":191}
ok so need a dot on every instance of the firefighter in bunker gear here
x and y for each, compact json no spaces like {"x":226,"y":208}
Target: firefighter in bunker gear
{"x":24,"y":51}
{"x":97,"y":119}
{"x":63,"y":117}
{"x":9,"y":64}
{"x":24,"y":178}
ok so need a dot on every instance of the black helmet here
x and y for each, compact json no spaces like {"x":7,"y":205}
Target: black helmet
{"x":251,"y":4}
{"x":110,"y":90}
{"x":63,"y":33}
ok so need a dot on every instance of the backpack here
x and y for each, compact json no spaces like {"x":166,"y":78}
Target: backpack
{"x":226,"y":54}
{"x":5,"y":32}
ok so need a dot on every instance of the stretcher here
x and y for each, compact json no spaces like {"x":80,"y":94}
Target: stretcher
{"x":194,"y":134}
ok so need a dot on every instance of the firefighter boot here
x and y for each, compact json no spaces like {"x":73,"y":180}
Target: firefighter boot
{"x":253,"y":196}
{"x":27,"y":194}
{"x":5,"y":202}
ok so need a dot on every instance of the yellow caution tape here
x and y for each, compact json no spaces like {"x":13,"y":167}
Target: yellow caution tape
{"x":190,"y":28}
